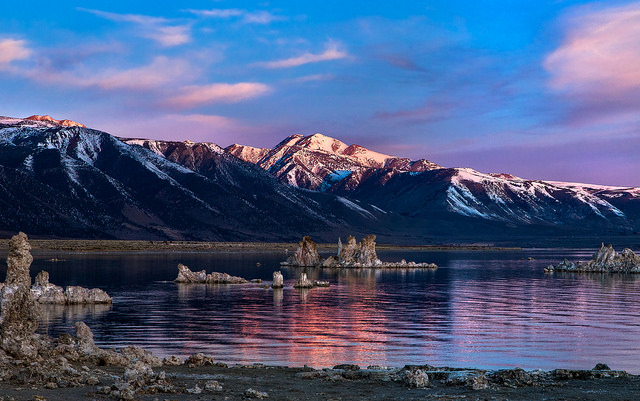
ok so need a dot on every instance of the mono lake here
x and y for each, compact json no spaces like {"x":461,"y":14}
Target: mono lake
{"x":487,"y":309}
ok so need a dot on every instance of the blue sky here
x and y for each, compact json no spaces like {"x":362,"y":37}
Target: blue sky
{"x":543,"y":90}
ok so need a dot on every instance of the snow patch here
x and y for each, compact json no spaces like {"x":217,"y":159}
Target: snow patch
{"x":357,"y":208}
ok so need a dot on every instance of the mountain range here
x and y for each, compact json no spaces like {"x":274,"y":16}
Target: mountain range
{"x":61,"y":179}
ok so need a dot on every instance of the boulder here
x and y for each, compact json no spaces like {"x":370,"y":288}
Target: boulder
{"x":416,"y":378}
{"x":20,"y":311}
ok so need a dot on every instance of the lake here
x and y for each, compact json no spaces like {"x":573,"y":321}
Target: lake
{"x":487,"y":309}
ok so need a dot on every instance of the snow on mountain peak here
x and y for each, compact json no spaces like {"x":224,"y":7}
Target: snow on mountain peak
{"x":51,"y":120}
{"x":322,"y":142}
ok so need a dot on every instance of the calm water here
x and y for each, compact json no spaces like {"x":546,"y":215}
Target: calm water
{"x":480,"y":309}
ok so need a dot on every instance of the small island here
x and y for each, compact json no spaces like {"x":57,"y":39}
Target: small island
{"x":353,"y":254}
{"x":606,"y":260}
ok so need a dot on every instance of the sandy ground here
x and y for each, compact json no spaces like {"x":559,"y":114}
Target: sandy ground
{"x":278,"y":383}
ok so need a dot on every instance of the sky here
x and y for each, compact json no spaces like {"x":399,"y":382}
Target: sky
{"x":540,"y":89}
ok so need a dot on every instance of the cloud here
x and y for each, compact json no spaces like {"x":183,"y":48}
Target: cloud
{"x":332,"y":52}
{"x":217,"y":93}
{"x":161,"y":30}
{"x":12,"y":50}
{"x":160,"y":72}
{"x":600,"y":54}
{"x":248,"y":17}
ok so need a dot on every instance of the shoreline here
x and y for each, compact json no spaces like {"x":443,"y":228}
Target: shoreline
{"x":201,"y":377}
{"x":181,"y":246}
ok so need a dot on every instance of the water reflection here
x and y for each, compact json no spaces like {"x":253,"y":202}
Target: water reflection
{"x":487,"y":309}
{"x":53,"y":314}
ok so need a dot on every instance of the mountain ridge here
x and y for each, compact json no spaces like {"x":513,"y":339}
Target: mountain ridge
{"x":71,"y":181}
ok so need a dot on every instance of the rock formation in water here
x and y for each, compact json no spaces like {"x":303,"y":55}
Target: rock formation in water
{"x":20,"y":310}
{"x":606,"y":260}
{"x":306,"y":254}
{"x":185,"y":275}
{"x":304,"y":282}
{"x":278,"y":280}
{"x":48,"y":293}
{"x":350,"y":254}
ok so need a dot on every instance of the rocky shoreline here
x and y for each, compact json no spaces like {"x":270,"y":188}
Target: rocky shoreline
{"x":39,"y":367}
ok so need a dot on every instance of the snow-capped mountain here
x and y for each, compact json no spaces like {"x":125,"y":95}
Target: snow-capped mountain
{"x":71,"y":181}
{"x":318,"y":162}
{"x":61,"y":179}
{"x":423,"y":188}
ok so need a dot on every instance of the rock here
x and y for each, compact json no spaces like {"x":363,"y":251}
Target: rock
{"x":278,"y":280}
{"x":367,"y":255}
{"x":601,"y":366}
{"x":331,"y":261}
{"x":20,"y":311}
{"x":194,"y":390}
{"x":606,"y":260}
{"x":348,"y":252}
{"x":199,"y":359}
{"x":347,"y":366}
{"x":212,"y":386}
{"x":511,"y":377}
{"x":478,"y":382}
{"x":416,"y":378}
{"x":306,"y":254}
{"x":172,"y":360}
{"x":45,"y":292}
{"x":304,"y":282}
{"x":80,"y":295}
{"x":86,"y":344}
{"x":185,"y":275}
{"x":251,"y":393}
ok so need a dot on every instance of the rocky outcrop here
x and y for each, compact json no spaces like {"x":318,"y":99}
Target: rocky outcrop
{"x":606,"y":260}
{"x":304,"y":282}
{"x":278,"y":280}
{"x":48,"y":293}
{"x":306,"y":254}
{"x":20,"y":310}
{"x":185,"y":275}
{"x":350,"y":254}
{"x":354,"y":253}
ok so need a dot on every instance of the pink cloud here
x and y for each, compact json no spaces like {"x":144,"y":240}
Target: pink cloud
{"x":161,"y":30}
{"x":332,"y":52}
{"x":12,"y":50}
{"x":217,"y":93}
{"x":600,"y":54}
{"x":160,"y":72}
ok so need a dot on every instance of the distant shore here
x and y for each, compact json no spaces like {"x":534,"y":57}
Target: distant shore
{"x":136,"y":245}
